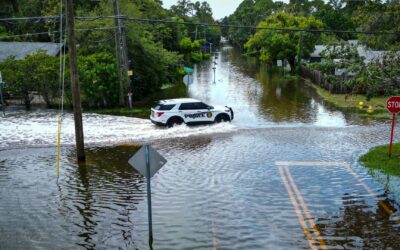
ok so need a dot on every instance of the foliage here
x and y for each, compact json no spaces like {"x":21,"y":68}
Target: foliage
{"x":380,"y":76}
{"x":153,"y":66}
{"x":98,"y":79}
{"x":191,"y":50}
{"x":379,"y":17}
{"x":336,"y":20}
{"x":378,"y":158}
{"x":249,"y":13}
{"x":270,"y":45}
{"x":37,"y":73}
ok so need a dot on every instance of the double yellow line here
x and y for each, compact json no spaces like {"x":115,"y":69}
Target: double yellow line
{"x":307,"y":221}
{"x":303,"y":214}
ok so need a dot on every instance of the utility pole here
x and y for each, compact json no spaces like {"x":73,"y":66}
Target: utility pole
{"x":1,"y":95}
{"x":118,"y":52}
{"x":125,"y":58}
{"x":300,"y":54}
{"x":76,"y":99}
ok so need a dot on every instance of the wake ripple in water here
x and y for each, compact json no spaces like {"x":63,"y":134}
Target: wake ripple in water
{"x":40,"y":128}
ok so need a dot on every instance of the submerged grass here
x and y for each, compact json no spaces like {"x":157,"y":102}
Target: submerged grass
{"x":378,"y":158}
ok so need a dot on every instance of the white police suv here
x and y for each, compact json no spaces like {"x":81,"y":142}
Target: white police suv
{"x":187,"y":110}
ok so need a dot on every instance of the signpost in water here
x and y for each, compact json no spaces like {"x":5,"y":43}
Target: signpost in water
{"x":147,"y":162}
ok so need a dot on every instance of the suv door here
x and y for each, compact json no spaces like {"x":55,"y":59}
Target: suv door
{"x":195,"y":112}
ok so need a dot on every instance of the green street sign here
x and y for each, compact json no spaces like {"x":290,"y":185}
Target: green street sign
{"x":188,"y":70}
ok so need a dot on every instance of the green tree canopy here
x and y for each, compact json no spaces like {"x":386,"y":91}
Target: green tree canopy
{"x":271,"y":45}
{"x":36,"y":74}
{"x":379,"y":17}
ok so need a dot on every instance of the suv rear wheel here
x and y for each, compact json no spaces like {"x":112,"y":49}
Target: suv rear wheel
{"x":174,"y":121}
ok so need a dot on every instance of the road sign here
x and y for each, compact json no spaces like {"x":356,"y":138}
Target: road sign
{"x":188,"y":70}
{"x":147,"y":162}
{"x":138,"y":161}
{"x":188,"y":79}
{"x":393,"y":104}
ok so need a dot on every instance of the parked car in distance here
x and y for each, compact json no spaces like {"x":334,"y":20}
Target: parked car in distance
{"x":189,"y":111}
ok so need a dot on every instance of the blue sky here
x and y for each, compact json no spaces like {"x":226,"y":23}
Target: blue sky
{"x":221,"y":8}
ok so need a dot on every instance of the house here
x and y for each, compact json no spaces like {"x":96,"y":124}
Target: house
{"x":363,"y":51}
{"x":316,"y":56}
{"x":21,"y":49}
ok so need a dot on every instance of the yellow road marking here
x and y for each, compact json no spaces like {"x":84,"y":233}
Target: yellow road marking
{"x":311,"y":163}
{"x":351,"y":170}
{"x":305,"y":209}
{"x":309,"y":237}
{"x":389,"y":211}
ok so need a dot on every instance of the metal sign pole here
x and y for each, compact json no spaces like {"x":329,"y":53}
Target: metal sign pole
{"x":391,"y":135}
{"x":214,"y":72}
{"x":1,"y":94}
{"x":141,"y":161}
{"x":148,"y":176}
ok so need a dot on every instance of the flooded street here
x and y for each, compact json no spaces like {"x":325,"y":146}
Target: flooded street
{"x":283,"y":175}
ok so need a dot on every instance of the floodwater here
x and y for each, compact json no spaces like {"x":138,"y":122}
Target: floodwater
{"x":282,"y":175}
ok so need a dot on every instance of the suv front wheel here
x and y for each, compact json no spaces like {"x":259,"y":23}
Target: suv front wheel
{"x":222,"y":118}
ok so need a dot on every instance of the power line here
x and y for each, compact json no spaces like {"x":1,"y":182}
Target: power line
{"x":13,"y":19}
{"x":28,"y":34}
{"x":93,"y":18}
{"x":54,"y":32}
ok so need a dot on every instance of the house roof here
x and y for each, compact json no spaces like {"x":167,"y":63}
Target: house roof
{"x":317,"y":51}
{"x":21,"y":49}
{"x":362,"y":50}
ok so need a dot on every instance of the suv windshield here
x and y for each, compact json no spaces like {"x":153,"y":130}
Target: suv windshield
{"x":164,"y":107}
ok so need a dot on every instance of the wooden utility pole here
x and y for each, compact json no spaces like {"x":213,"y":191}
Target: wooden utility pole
{"x":118,"y":52}
{"x":76,"y":99}
{"x":125,"y":53}
{"x":300,"y":53}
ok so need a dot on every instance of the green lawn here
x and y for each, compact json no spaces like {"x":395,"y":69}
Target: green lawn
{"x":140,"y":112}
{"x":352,"y":102}
{"x":378,"y":158}
{"x":141,"y":108}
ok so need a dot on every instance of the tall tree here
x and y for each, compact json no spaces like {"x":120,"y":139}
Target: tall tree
{"x":270,"y":45}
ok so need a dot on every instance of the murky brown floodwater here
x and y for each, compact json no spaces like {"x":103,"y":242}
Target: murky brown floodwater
{"x":273,"y":179}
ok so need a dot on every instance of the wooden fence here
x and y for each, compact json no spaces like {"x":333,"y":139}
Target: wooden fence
{"x":317,"y":77}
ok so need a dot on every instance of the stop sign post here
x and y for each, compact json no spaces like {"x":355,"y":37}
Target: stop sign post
{"x":393,"y":105}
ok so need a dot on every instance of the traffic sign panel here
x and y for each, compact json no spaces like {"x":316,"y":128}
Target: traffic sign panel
{"x":138,"y":161}
{"x":187,"y":79}
{"x":393,"y":104}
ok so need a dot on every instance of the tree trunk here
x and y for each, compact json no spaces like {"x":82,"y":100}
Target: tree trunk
{"x":292,"y":63}
{"x":27,"y":100}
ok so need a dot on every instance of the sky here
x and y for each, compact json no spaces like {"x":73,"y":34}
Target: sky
{"x":220,"y":8}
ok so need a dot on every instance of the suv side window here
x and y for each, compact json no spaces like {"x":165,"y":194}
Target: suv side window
{"x":164,"y":107}
{"x":201,"y":105}
{"x":189,"y":106}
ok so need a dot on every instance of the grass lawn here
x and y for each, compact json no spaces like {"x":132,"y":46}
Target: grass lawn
{"x":352,"y":102}
{"x":378,"y":158}
{"x":140,"y":112}
{"x":141,"y":108}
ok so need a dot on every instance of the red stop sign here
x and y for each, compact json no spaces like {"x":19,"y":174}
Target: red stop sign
{"x":393,"y":104}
